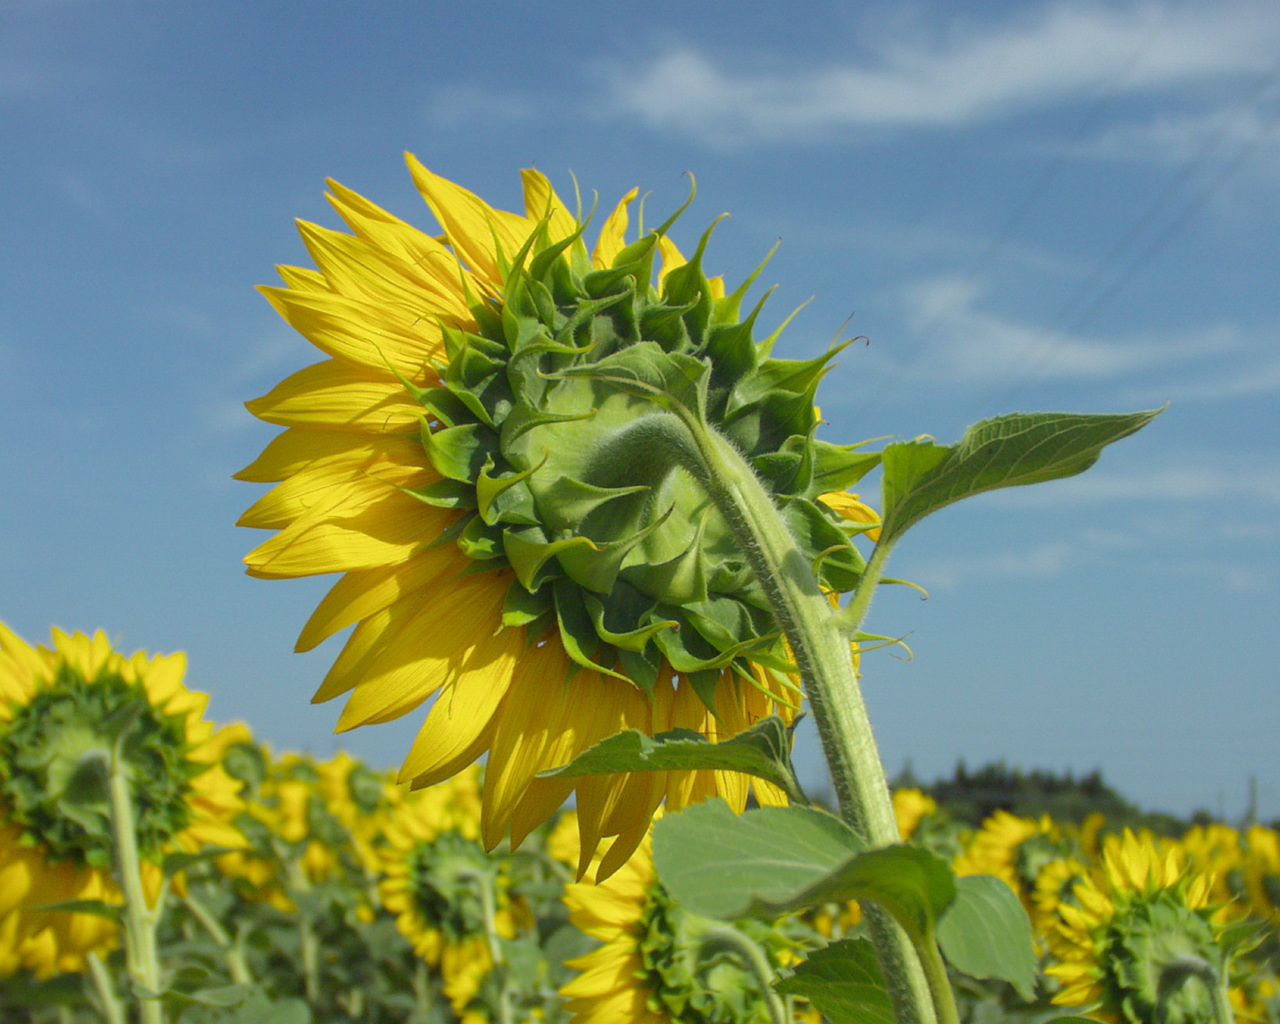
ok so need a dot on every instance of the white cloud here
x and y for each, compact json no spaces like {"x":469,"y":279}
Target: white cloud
{"x":1185,"y":138}
{"x":969,"y":343}
{"x":1234,"y":381}
{"x":458,"y":105}
{"x":1043,"y":561}
{"x":1211,"y":485}
{"x":968,"y":73}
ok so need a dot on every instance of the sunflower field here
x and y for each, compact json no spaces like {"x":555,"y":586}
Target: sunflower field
{"x":582,"y":520}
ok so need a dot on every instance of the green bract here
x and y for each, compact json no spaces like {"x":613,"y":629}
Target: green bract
{"x":691,"y":980}
{"x":1146,"y":951}
{"x":53,"y":767}
{"x":560,"y":426}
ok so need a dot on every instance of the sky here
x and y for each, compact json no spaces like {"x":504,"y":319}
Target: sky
{"x":1022,"y":206}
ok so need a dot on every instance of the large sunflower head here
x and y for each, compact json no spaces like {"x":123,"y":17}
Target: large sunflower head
{"x":1124,"y":941}
{"x":64,"y":711}
{"x":485,"y":455}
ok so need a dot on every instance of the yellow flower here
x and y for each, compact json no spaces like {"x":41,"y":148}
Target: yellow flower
{"x":1262,"y":873}
{"x":910,"y":807}
{"x":1015,"y":850}
{"x":62,"y":710}
{"x":1123,"y":943}
{"x":513,"y":555}
{"x":442,"y":887}
{"x":651,"y":967}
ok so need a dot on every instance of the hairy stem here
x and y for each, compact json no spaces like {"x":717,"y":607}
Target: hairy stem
{"x":820,"y":645}
{"x":140,"y":920}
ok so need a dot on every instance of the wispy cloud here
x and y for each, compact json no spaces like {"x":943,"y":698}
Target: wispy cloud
{"x":968,"y":73}
{"x":466,"y":104}
{"x":1043,"y":561}
{"x":1178,"y":137}
{"x":1214,"y":482}
{"x":969,"y":342}
{"x":1250,"y":379}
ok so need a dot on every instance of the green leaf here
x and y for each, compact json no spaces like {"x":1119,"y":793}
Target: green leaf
{"x":844,"y":983}
{"x":909,"y":882}
{"x":726,"y":865}
{"x":986,"y":933}
{"x":1010,"y":451}
{"x":762,"y":751}
{"x":775,"y":860}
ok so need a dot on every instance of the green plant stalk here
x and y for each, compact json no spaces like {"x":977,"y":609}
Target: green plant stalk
{"x":232,"y":950}
{"x":820,"y":645}
{"x":484,"y":885}
{"x":421,"y":993}
{"x":935,"y":969}
{"x":140,"y":921}
{"x":308,"y":947}
{"x":725,"y":936}
{"x":1214,"y":983}
{"x":112,"y":1011}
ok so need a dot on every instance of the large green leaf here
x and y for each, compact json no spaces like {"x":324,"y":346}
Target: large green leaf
{"x":844,"y":983}
{"x":986,"y":933}
{"x":727,"y":865}
{"x":775,"y":860}
{"x":762,"y":751}
{"x":1009,"y":451}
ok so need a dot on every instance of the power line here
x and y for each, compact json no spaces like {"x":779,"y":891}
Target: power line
{"x":1103,"y":295}
{"x":1106,"y":98}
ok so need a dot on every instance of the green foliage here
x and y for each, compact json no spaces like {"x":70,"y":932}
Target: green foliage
{"x":986,"y":933}
{"x":921,"y":477}
{"x":844,"y":982}
{"x":762,"y":751}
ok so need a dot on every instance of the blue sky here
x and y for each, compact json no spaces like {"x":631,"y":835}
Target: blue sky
{"x":1022,"y":206}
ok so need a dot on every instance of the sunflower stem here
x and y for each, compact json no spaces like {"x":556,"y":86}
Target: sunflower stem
{"x":140,"y":920}
{"x":421,"y":993}
{"x":820,"y":646}
{"x":749,"y":953}
{"x":935,"y":969}
{"x":112,"y":1011}
{"x":232,"y":949}
{"x":484,"y":886}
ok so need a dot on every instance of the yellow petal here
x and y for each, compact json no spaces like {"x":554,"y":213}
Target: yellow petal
{"x":540,"y":199}
{"x":474,"y":229}
{"x":613,"y":236}
{"x":377,"y":337}
{"x":432,"y":647}
{"x":339,"y":395}
{"x":377,"y":528}
{"x":360,"y":594}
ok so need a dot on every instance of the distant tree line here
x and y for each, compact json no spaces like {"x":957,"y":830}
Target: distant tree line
{"x":971,"y":795}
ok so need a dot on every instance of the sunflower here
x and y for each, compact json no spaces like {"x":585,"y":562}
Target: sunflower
{"x":481,"y":455}
{"x":1015,"y":850}
{"x":910,"y":807}
{"x":1216,"y":850}
{"x":1262,"y":873}
{"x":450,"y":898}
{"x":1140,"y":938}
{"x":654,"y":966}
{"x":62,"y":709}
